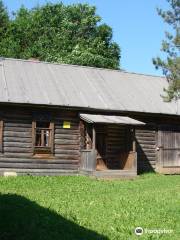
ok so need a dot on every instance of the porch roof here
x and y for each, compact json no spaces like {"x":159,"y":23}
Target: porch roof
{"x":91,"y":118}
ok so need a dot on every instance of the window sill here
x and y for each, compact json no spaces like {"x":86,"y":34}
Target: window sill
{"x":43,"y":156}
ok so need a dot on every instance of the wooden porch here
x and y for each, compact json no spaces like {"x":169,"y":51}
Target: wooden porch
{"x":108,"y":150}
{"x":90,"y":167}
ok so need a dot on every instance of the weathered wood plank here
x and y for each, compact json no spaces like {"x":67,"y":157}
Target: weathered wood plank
{"x":37,"y":160}
{"x":66,"y":142}
{"x":18,"y":155}
{"x":18,"y":144}
{"x":147,"y":153}
{"x":148,"y":150}
{"x":17,"y":134}
{"x":17,"y":125}
{"x":69,"y":119}
{"x":17,"y":150}
{"x":41,"y":172}
{"x":67,"y":147}
{"x":67,"y":156}
{"x":67,"y":151}
{"x":64,"y":131}
{"x":1,"y":136}
{"x":143,"y":135}
{"x":38,"y":165}
{"x":146,"y":146}
{"x":147,"y":158}
{"x":73,"y":126}
{"x":18,"y":129}
{"x":64,"y":137}
{"x":16,"y":115}
{"x":17,"y":139}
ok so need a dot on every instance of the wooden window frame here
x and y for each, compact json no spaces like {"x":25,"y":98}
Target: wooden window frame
{"x":43,"y":151}
{"x":1,"y":135}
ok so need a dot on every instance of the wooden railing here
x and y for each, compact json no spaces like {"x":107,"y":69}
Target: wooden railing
{"x":127,"y":161}
{"x":43,"y":137}
{"x":88,"y":160}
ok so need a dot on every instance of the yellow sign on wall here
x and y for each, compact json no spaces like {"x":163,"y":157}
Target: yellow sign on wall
{"x":66,"y":124}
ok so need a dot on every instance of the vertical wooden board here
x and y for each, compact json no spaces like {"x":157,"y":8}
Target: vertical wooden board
{"x":1,"y":136}
{"x":88,"y":160}
{"x":33,"y":135}
{"x":170,"y":150}
{"x":159,"y":145}
{"x":52,"y":137}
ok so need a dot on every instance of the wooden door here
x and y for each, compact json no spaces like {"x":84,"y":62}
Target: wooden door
{"x":169,"y":147}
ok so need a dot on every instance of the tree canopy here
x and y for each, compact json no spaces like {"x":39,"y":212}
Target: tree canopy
{"x":171,"y":47}
{"x":71,"y":34}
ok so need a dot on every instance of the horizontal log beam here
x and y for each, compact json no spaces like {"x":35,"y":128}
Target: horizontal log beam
{"x":40,"y":161}
{"x":17,"y":139}
{"x":37,"y":166}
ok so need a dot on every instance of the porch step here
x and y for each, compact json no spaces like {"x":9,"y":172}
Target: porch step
{"x":115,"y":174}
{"x":129,"y":174}
{"x":38,"y":172}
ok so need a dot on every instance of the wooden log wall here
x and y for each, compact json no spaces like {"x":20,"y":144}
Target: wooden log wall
{"x":17,"y":134}
{"x":67,"y":140}
{"x":146,"y":138}
{"x":148,"y":157}
{"x":16,"y":150}
{"x":18,"y":154}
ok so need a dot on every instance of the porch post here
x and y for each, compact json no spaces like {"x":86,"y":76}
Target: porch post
{"x":134,"y":151}
{"x":134,"y":142}
{"x":94,"y":138}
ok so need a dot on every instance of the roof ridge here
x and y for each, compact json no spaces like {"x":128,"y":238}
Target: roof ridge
{"x":80,"y":66}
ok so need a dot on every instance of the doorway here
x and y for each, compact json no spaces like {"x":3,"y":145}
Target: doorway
{"x":101,"y":148}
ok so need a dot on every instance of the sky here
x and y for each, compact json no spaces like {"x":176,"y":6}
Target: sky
{"x":137,"y":28}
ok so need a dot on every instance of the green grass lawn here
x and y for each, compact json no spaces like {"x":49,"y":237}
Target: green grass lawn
{"x":63,"y":208}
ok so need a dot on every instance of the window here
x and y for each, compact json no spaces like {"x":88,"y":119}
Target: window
{"x":1,"y":136}
{"x":43,"y":137}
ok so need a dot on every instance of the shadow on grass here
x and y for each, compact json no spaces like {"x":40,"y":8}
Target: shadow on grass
{"x":21,"y":218}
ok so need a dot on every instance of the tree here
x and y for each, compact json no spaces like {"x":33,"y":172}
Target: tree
{"x":58,"y":33}
{"x":4,"y":24}
{"x":4,"y":19}
{"x":171,"y":47}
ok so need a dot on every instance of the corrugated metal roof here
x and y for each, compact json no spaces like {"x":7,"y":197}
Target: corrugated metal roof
{"x":91,"y":118}
{"x":33,"y":82}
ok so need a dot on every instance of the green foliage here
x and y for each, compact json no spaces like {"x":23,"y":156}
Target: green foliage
{"x":59,"y":33}
{"x":171,"y":47}
{"x":4,"y":19}
{"x":53,"y":207}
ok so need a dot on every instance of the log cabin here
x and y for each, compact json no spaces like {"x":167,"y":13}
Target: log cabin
{"x":58,"y":119}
